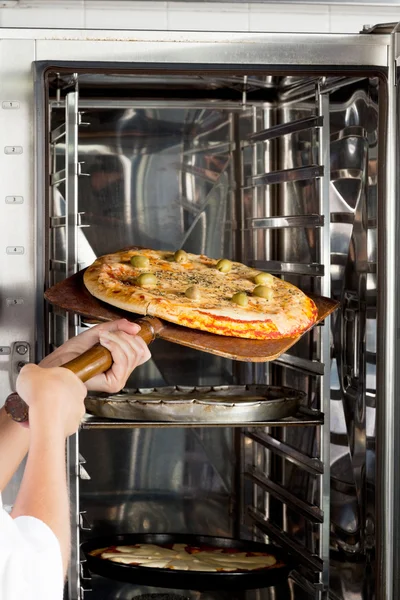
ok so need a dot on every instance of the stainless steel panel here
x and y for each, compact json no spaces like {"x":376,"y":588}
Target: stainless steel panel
{"x":323,"y":489}
{"x":147,"y":189}
{"x":210,"y":48}
{"x":388,"y":349}
{"x":354,"y":125}
{"x":172,"y":174}
{"x":104,"y":590}
{"x":160,"y":480}
{"x":17,"y":219}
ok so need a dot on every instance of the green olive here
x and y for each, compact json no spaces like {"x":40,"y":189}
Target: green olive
{"x":240,"y":298}
{"x":180,"y":256}
{"x":140,"y":262}
{"x":224,"y":265}
{"x":146,"y":279}
{"x":193,"y":292}
{"x":263,"y":291}
{"x":263,"y":278}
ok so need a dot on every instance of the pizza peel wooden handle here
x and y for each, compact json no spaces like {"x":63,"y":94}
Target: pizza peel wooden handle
{"x":94,"y":361}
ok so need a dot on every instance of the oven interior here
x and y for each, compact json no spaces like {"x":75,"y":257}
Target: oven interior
{"x":278,"y":171}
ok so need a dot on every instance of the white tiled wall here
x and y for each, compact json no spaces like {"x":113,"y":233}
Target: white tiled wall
{"x":222,"y":16}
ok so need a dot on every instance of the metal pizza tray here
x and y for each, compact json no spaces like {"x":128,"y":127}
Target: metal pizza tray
{"x":188,"y":580}
{"x":217,"y":404}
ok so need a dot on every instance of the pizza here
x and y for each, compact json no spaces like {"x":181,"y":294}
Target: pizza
{"x":216,"y":295}
{"x":184,"y":557}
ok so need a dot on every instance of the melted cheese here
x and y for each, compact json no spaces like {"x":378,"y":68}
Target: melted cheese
{"x":178,"y":558}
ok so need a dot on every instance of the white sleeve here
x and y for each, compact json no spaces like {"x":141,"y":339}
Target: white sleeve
{"x":30,"y":560}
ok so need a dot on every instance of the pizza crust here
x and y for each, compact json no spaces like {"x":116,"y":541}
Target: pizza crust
{"x":94,"y":280}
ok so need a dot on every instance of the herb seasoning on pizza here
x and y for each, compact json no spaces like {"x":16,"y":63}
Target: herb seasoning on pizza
{"x":219,"y":296}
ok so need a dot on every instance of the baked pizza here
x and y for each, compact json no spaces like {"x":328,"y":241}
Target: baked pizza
{"x":184,"y":557}
{"x":220,"y":296}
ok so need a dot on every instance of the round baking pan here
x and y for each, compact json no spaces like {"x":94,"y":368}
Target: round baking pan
{"x":187,"y":580}
{"x":217,"y":404}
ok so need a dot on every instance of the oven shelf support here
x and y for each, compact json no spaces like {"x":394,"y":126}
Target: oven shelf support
{"x":287,"y":175}
{"x":285,"y":129}
{"x":325,"y":282}
{"x":307,"y":510}
{"x":287,"y":221}
{"x":268,"y":446}
{"x":311,"y":465}
{"x":65,"y":137}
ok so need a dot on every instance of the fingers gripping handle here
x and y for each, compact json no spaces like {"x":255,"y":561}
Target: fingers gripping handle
{"x":94,"y":361}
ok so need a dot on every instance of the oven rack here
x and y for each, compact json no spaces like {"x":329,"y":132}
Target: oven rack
{"x":263,"y":441}
{"x":266,"y":455}
{"x":304,"y":418}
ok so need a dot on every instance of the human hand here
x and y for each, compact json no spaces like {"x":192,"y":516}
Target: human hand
{"x":120,"y":337}
{"x":55,"y":397}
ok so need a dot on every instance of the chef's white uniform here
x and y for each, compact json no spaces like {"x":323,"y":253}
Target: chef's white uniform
{"x":30,"y":560}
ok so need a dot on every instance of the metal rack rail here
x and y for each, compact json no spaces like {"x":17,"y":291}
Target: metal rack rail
{"x":303,"y":419}
{"x":259,"y":460}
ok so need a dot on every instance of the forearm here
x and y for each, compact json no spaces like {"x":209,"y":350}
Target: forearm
{"x":14,"y":441}
{"x":43,"y":493}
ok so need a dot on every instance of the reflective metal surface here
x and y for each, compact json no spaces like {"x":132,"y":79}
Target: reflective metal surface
{"x":228,"y":48}
{"x":159,"y":480}
{"x":17,"y":221}
{"x":105,"y":590}
{"x":388,"y":526}
{"x":166,"y":160}
{"x":202,"y":405}
{"x":353,"y":147}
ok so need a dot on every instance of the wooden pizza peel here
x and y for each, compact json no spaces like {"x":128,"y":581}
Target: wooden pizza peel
{"x":72,"y":296}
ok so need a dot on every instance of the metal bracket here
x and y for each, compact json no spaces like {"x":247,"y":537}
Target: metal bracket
{"x":20,"y":356}
{"x":83,"y":474}
{"x":83,"y":521}
{"x":80,"y":122}
{"x":395,"y":54}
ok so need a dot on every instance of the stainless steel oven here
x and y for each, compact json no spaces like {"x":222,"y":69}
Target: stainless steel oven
{"x":277,"y":150}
